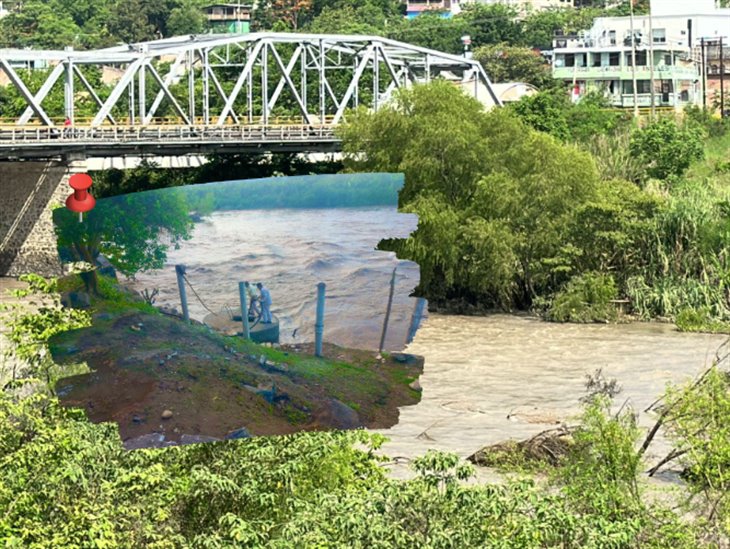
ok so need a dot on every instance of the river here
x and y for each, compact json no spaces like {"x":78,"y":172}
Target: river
{"x":489,"y":379}
{"x":291,"y":250}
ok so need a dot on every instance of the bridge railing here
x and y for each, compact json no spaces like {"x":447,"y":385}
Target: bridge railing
{"x":161,"y":133}
{"x":8,"y":123}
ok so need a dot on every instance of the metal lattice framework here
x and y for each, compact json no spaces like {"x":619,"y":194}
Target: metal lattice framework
{"x":225,"y":87}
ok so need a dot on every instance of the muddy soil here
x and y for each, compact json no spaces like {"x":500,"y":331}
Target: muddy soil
{"x":146,"y":366}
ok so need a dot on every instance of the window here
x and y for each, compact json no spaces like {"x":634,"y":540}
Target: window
{"x":612,"y":37}
{"x":640,"y":59}
{"x":570,"y":60}
{"x":596,"y":59}
{"x":614,"y":59}
{"x":668,"y":59}
{"x":659,"y":36}
{"x":642,"y":86}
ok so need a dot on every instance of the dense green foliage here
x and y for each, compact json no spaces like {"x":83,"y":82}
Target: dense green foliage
{"x":666,"y":148}
{"x":99,"y":23}
{"x":690,"y":319}
{"x":553,"y":112}
{"x":506,"y":63}
{"x":509,"y":215}
{"x":29,"y":331}
{"x":79,"y":487}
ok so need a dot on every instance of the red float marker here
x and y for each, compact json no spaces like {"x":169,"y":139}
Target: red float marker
{"x":80,"y":201}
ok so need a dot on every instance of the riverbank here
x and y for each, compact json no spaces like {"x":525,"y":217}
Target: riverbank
{"x":154,"y":375}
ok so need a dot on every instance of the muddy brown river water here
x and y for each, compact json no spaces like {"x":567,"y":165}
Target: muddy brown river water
{"x":488,"y":379}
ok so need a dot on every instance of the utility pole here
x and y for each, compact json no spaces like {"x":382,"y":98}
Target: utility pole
{"x":704,"y":74}
{"x":722,"y":79}
{"x":633,"y":60}
{"x":651,"y":65}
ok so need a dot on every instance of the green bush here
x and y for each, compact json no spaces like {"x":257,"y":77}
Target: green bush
{"x":696,"y":419}
{"x":700,"y":320}
{"x":586,"y":298}
{"x":713,"y":125}
{"x":666,"y":297}
{"x":668,"y":148}
{"x":66,"y":482}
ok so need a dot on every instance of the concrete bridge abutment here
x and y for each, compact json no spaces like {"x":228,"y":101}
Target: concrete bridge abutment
{"x":29,"y":191}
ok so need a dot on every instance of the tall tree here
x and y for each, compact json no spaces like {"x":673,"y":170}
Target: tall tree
{"x":494,"y":199}
{"x":505,"y":63}
{"x":129,"y":21}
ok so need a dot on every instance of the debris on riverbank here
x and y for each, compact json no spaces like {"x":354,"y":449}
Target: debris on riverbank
{"x":548,"y":447}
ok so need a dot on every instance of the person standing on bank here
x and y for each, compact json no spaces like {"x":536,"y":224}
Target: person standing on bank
{"x":265,"y":300}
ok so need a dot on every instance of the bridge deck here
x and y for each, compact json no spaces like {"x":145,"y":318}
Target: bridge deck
{"x":46,"y":142}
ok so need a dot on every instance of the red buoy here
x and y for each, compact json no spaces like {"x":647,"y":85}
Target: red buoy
{"x":81,"y":200}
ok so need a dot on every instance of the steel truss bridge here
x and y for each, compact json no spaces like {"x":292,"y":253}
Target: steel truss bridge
{"x":213,"y":93}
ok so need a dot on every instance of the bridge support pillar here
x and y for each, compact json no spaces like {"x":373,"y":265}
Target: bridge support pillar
{"x":29,"y":191}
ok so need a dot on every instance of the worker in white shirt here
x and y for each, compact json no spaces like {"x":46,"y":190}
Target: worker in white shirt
{"x":265,"y":303}
{"x":253,"y":300}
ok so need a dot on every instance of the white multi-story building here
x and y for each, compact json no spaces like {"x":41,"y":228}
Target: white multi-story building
{"x":453,"y":7}
{"x":669,"y":39}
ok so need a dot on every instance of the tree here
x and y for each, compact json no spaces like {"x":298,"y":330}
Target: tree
{"x":133,"y":231}
{"x":668,"y":148}
{"x":38,"y":25}
{"x":551,"y":111}
{"x":348,"y":20}
{"x":505,"y":63}
{"x":431,"y":30}
{"x":291,"y":12}
{"x":491,"y":23}
{"x":494,"y":198}
{"x":129,"y":21}
{"x":187,"y":18}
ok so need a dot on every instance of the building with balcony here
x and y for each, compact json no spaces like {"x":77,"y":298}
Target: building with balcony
{"x":601,"y":58}
{"x":228,"y":18}
{"x":453,"y":7}
{"x":447,"y":8}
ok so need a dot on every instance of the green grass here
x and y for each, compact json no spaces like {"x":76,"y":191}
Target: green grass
{"x":700,"y":320}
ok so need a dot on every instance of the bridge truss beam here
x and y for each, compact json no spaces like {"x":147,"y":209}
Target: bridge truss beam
{"x":219,"y":80}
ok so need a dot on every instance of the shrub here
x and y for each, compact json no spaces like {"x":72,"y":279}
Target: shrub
{"x":667,"y":148}
{"x":690,"y":319}
{"x":586,"y":298}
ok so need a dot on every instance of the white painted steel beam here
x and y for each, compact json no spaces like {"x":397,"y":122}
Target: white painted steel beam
{"x":348,"y":56}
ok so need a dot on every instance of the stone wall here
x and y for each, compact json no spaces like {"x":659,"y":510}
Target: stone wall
{"x":28,"y":192}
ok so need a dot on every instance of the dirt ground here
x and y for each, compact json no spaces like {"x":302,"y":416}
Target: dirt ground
{"x":144,"y":366}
